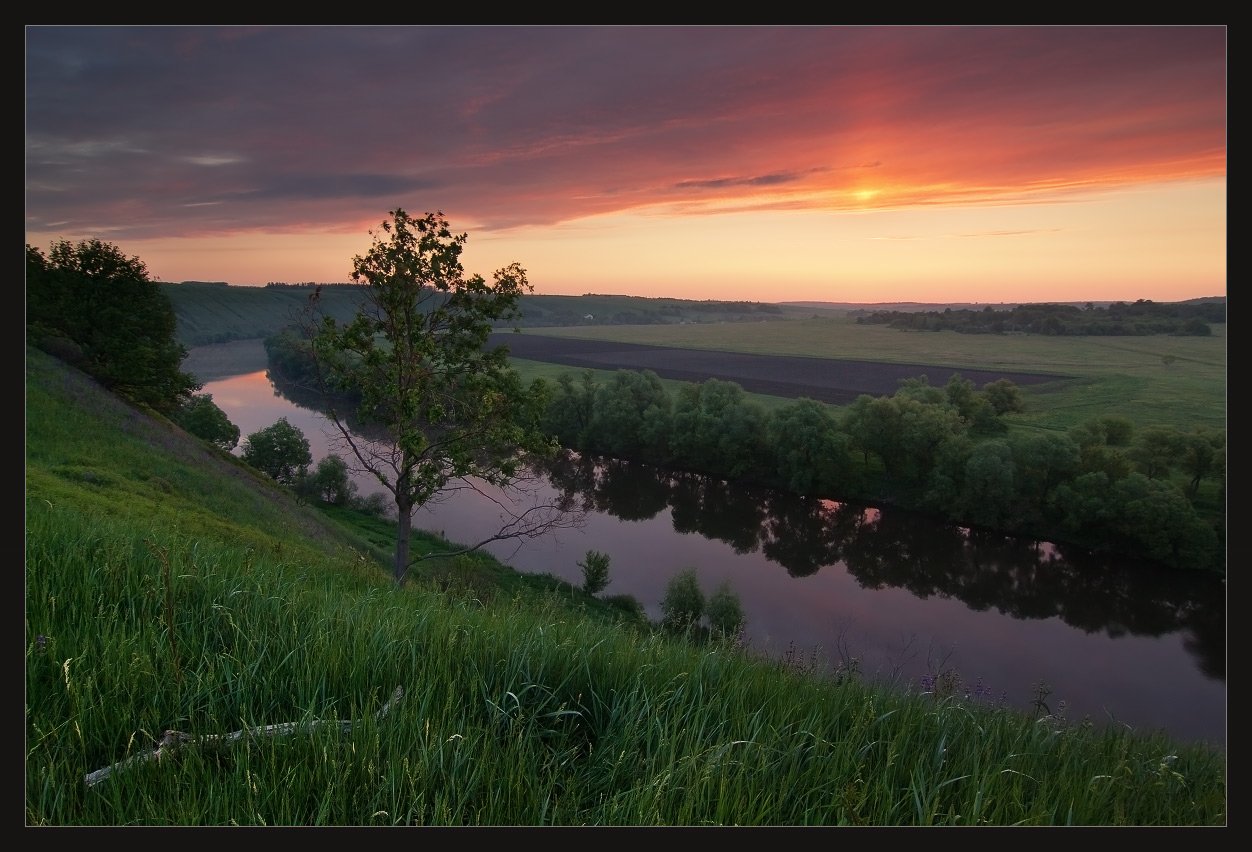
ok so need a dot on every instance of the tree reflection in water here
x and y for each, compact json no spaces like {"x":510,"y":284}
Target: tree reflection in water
{"x":888,"y":548}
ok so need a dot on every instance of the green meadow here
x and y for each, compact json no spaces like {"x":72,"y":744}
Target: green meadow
{"x":1157,"y":380}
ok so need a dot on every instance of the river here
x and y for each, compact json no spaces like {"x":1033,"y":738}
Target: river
{"x":900,"y":597}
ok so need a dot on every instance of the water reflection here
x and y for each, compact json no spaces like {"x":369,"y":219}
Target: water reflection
{"x":894,"y":549}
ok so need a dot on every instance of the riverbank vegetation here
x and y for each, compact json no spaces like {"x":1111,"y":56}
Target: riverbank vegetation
{"x":1157,"y":493}
{"x":943,"y":450}
{"x":180,"y":604}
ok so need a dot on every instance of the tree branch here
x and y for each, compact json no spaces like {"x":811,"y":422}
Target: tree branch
{"x":171,"y":740}
{"x":529,"y":523}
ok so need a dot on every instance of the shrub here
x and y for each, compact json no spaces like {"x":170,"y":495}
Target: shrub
{"x":629,"y":605}
{"x":375,"y":503}
{"x":724,"y":610}
{"x":280,"y":450}
{"x":683,"y":604}
{"x":201,"y":417}
{"x":328,"y":482}
{"x":595,"y":567}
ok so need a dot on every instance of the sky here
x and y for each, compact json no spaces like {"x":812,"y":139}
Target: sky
{"x":860,"y":164}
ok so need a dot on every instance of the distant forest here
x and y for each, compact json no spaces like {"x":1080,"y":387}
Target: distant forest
{"x":1141,"y":317}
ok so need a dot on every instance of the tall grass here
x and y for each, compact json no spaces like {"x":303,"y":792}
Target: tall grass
{"x":215,"y":604}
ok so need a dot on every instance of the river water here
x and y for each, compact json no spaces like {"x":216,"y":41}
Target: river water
{"x":902,"y":598}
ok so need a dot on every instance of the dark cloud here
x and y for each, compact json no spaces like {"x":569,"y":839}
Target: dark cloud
{"x":172,"y":130}
{"x":722,"y":183}
{"x":296,"y":187}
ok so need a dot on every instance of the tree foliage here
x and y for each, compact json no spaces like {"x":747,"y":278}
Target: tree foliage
{"x":725,"y":611}
{"x":976,"y":409}
{"x":810,"y":452}
{"x":631,"y":415}
{"x":91,"y":305}
{"x":942,"y":449}
{"x":570,"y":409}
{"x":1157,"y":449}
{"x":438,"y":408}
{"x":903,"y":431}
{"x":280,"y":451}
{"x":715,"y":427}
{"x":201,"y":417}
{"x":1004,"y":396}
{"x":1203,"y":455}
{"x":989,"y":492}
{"x":683,"y":604}
{"x":1043,"y":462}
{"x":595,"y":567}
{"x":328,"y":482}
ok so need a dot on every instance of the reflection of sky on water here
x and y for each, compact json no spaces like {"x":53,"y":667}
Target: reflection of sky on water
{"x":1148,"y":682}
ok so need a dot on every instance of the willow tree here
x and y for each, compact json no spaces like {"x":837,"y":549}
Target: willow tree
{"x":433,"y":408}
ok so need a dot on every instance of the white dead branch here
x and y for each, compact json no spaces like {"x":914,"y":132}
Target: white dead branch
{"x":171,"y":740}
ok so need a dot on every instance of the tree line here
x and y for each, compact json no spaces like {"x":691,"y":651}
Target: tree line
{"x":941,"y":450}
{"x":1141,"y":317}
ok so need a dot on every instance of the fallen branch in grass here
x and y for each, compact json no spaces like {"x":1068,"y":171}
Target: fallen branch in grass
{"x":171,"y":740}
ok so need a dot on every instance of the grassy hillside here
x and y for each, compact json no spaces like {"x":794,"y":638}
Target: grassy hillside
{"x":218,"y":313}
{"x":174,"y":596}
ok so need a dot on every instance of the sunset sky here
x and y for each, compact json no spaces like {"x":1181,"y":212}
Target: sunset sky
{"x":842,"y":163}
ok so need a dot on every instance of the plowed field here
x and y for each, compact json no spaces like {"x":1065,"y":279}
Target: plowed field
{"x":833,"y":381}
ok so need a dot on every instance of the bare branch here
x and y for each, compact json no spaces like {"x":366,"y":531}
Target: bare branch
{"x":531,"y":522}
{"x":171,"y":740}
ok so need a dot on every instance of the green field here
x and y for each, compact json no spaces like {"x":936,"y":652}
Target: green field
{"x":1154,"y":380}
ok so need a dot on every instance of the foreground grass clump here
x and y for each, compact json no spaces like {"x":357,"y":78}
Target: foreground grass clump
{"x":169,"y":589}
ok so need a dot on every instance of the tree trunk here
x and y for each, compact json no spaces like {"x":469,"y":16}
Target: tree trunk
{"x":404,"y":525}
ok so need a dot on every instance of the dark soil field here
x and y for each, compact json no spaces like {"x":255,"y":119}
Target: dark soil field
{"x":829,"y":380}
{"x":833,"y":381}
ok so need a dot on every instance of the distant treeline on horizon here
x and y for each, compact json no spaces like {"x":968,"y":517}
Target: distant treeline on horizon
{"x":1142,"y":317}
{"x":1191,"y":317}
{"x":1205,"y":302}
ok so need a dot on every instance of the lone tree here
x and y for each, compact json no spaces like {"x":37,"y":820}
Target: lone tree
{"x":280,"y":451}
{"x":442,"y":412}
